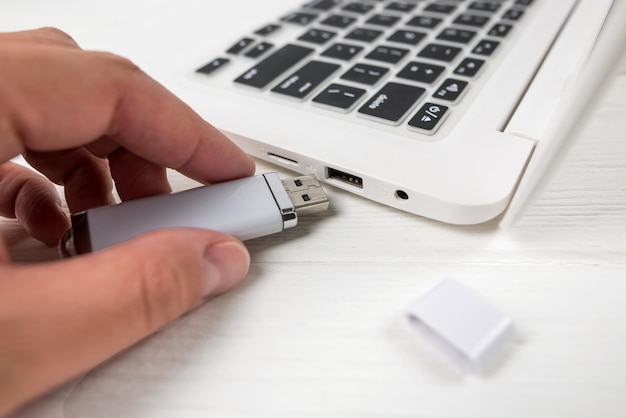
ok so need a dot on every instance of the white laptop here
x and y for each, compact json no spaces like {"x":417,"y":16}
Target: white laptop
{"x":435,"y":107}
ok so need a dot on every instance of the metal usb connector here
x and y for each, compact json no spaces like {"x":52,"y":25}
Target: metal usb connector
{"x":245,"y":208}
{"x":307,"y":194}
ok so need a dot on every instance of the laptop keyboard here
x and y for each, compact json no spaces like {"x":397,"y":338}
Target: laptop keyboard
{"x":401,"y":63}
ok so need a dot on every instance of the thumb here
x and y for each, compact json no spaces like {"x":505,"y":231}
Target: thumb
{"x":60,"y":319}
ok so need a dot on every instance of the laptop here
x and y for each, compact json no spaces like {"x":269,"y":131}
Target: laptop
{"x":454,"y":110}
{"x":440,"y":108}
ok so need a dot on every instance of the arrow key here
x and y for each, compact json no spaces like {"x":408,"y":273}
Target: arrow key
{"x":450,"y":90}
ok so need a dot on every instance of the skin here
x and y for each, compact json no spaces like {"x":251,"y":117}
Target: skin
{"x":88,"y":121}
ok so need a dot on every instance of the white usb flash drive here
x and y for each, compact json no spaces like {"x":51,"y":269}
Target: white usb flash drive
{"x":245,"y":208}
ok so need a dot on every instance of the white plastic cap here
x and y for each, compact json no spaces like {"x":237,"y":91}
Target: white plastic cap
{"x":463,"y":326}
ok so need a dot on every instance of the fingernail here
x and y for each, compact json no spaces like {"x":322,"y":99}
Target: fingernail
{"x":225,"y":265}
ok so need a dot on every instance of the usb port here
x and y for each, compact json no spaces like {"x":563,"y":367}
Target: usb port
{"x":344,"y":177}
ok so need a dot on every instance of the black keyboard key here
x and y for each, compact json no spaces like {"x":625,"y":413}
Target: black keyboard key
{"x":324,"y":5}
{"x":429,"y":117}
{"x":364,"y":35}
{"x":392,"y":102}
{"x":267,"y":29}
{"x":301,"y":83}
{"x":240,"y":46}
{"x":338,"y":21}
{"x":317,"y":36}
{"x":213,"y":65}
{"x":274,"y":65}
{"x":299,"y":18}
{"x":485,"y":6}
{"x":469,"y":67}
{"x":365,"y":74}
{"x":407,"y":37}
{"x":513,"y":14}
{"x":403,"y":7}
{"x":500,"y":30}
{"x":421,"y":71}
{"x":383,"y":20}
{"x":427,"y":22}
{"x":450,"y":90}
{"x":360,"y":8}
{"x":457,"y":35}
{"x":339,"y":96}
{"x":388,"y":54}
{"x":259,"y":49}
{"x":486,"y":47}
{"x":440,"y":52}
{"x":467,"y":19}
{"x":342,"y":51}
{"x":523,"y":2}
{"x":440,"y":8}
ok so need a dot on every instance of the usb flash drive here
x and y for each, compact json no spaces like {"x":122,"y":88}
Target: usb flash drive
{"x":245,"y":208}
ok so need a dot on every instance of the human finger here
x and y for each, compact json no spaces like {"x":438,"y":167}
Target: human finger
{"x":63,"y":318}
{"x":65,"y":98}
{"x":48,"y":36}
{"x":86,"y":178}
{"x":34,"y":201}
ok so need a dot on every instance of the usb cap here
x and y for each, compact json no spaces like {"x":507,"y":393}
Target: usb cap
{"x":462,"y":326}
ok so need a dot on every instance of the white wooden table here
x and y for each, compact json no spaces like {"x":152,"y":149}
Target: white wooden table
{"x":318,"y":328}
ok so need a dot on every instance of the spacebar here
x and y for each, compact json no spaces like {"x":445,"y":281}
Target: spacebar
{"x":271,"y":67}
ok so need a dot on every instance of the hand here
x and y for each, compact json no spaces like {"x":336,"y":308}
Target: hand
{"x":86,"y":120}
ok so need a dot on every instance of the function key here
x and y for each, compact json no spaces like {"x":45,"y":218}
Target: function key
{"x":450,"y":90}
{"x":523,"y":2}
{"x":240,"y":46}
{"x":486,"y":47}
{"x":360,"y":8}
{"x":457,"y":35}
{"x":392,"y":102}
{"x":387,"y":54}
{"x":468,"y":19}
{"x":299,"y":18}
{"x":339,"y":96}
{"x":403,"y":7}
{"x":317,"y":36}
{"x":513,"y":14}
{"x":213,"y":65}
{"x":338,"y":21}
{"x":440,"y":52}
{"x":469,"y":67}
{"x":429,"y":117}
{"x":427,"y":22}
{"x":440,"y":8}
{"x":364,"y":35}
{"x":365,"y":74}
{"x":485,"y":6}
{"x":274,"y":65}
{"x":267,"y":29}
{"x":407,"y":37}
{"x":324,"y":5}
{"x":421,"y":71}
{"x":383,"y":20}
{"x":301,"y":83}
{"x":342,"y":51}
{"x":500,"y":30}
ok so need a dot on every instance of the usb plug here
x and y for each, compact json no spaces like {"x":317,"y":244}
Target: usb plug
{"x":245,"y":208}
{"x":306,"y":194}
